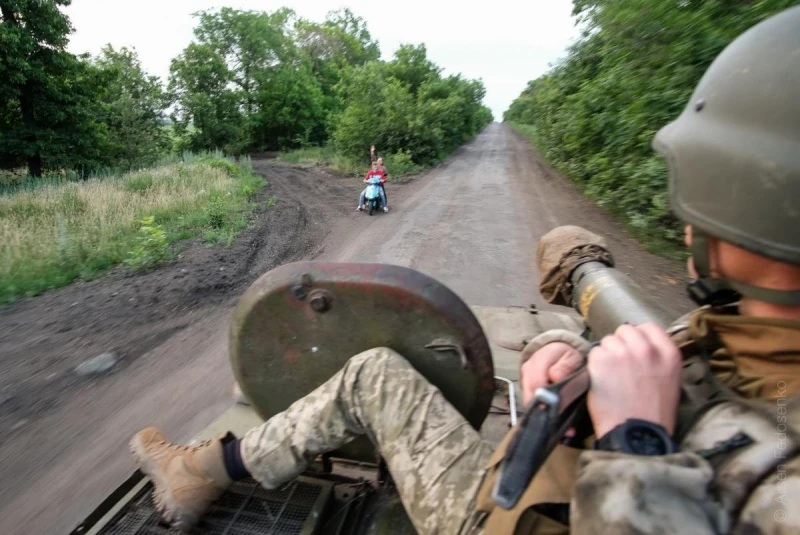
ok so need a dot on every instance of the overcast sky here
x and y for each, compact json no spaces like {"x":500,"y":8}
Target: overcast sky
{"x":504,"y":42}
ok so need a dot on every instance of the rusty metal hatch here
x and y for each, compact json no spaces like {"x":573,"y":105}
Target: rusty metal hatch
{"x":246,"y":508}
{"x":297,"y":325}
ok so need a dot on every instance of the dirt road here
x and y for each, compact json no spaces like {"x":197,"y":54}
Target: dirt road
{"x":472,"y":223}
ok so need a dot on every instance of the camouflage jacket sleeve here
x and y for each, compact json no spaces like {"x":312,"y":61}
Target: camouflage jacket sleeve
{"x":624,"y":494}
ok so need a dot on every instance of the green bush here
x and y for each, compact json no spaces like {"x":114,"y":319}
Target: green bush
{"x":400,"y":164}
{"x":230,"y":168}
{"x":217,"y":214}
{"x":151,"y":248}
{"x":139,"y":183}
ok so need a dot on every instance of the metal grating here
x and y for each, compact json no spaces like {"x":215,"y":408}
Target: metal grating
{"x":246,"y":508}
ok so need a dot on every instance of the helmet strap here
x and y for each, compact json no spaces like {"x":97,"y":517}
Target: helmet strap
{"x":707,"y":290}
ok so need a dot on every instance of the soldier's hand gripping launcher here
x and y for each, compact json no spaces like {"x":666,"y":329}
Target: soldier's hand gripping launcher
{"x":577,"y":270}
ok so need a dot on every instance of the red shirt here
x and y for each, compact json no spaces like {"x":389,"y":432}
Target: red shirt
{"x":372,"y":173}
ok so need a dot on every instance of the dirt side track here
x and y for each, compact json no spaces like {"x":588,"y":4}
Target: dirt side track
{"x":472,"y":222}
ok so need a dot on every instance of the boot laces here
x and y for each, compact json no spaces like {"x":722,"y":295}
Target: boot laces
{"x":186,"y":447}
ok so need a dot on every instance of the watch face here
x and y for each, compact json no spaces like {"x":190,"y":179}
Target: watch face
{"x":642,"y":440}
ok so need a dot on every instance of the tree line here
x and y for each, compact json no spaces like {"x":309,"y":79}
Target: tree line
{"x":631,"y":72}
{"x":249,"y":81}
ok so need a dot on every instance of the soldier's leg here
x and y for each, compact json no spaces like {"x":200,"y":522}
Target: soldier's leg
{"x":436,"y":458}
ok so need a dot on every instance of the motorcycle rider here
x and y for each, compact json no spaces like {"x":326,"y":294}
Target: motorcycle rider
{"x":372,"y":173}
{"x":375,"y":158}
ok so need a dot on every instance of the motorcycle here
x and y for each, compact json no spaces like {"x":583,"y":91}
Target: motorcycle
{"x":373,"y":194}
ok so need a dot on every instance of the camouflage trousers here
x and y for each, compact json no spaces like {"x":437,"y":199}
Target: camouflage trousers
{"x":436,"y":458}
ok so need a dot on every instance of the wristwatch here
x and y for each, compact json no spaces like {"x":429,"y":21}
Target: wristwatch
{"x":637,"y":437}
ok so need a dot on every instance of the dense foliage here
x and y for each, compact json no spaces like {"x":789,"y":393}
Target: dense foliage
{"x":406,"y":105}
{"x":596,"y":112}
{"x":49,"y":114}
{"x":250,"y":81}
{"x":133,"y":110}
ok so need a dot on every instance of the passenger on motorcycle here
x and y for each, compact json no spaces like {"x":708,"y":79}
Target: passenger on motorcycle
{"x":375,"y":158}
{"x":374,"y":172}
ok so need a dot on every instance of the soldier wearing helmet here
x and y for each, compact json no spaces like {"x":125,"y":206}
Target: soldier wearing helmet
{"x":698,"y":426}
{"x":734,"y":161}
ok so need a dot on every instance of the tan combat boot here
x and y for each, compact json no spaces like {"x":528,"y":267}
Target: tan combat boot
{"x":187,"y":479}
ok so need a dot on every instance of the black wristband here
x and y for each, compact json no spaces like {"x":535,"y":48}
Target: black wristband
{"x":637,"y":437}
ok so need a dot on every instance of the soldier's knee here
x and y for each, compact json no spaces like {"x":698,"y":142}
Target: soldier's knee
{"x":377,"y":360}
{"x":378,"y":355}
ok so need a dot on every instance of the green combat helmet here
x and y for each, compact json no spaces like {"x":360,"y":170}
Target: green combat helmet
{"x":734,"y":156}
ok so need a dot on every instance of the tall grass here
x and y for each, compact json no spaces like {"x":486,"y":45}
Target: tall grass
{"x":325,"y":156}
{"x":527,"y":130}
{"x":55,"y":232}
{"x":399,"y":165}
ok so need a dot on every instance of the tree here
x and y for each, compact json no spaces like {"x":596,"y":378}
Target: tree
{"x":249,"y":42}
{"x":341,"y":41}
{"x":49,"y":117}
{"x":412,"y":66}
{"x":134,"y":109}
{"x":200,"y":84}
{"x":290,"y":109}
{"x":405,"y":105}
{"x":523,"y":108}
{"x":361,"y":123}
{"x":243,"y":86}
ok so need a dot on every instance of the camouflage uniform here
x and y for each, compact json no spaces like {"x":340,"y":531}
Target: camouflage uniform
{"x":745,"y":490}
{"x":444,"y":471}
{"x":434,"y":455}
{"x":683,"y":493}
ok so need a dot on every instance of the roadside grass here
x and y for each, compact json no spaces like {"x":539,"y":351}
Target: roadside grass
{"x":325,"y":156}
{"x":653,"y":241}
{"x":527,"y":130}
{"x":57,"y":231}
{"x":399,"y":164}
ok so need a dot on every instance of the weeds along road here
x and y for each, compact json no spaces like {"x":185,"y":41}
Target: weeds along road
{"x":472,"y":223}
